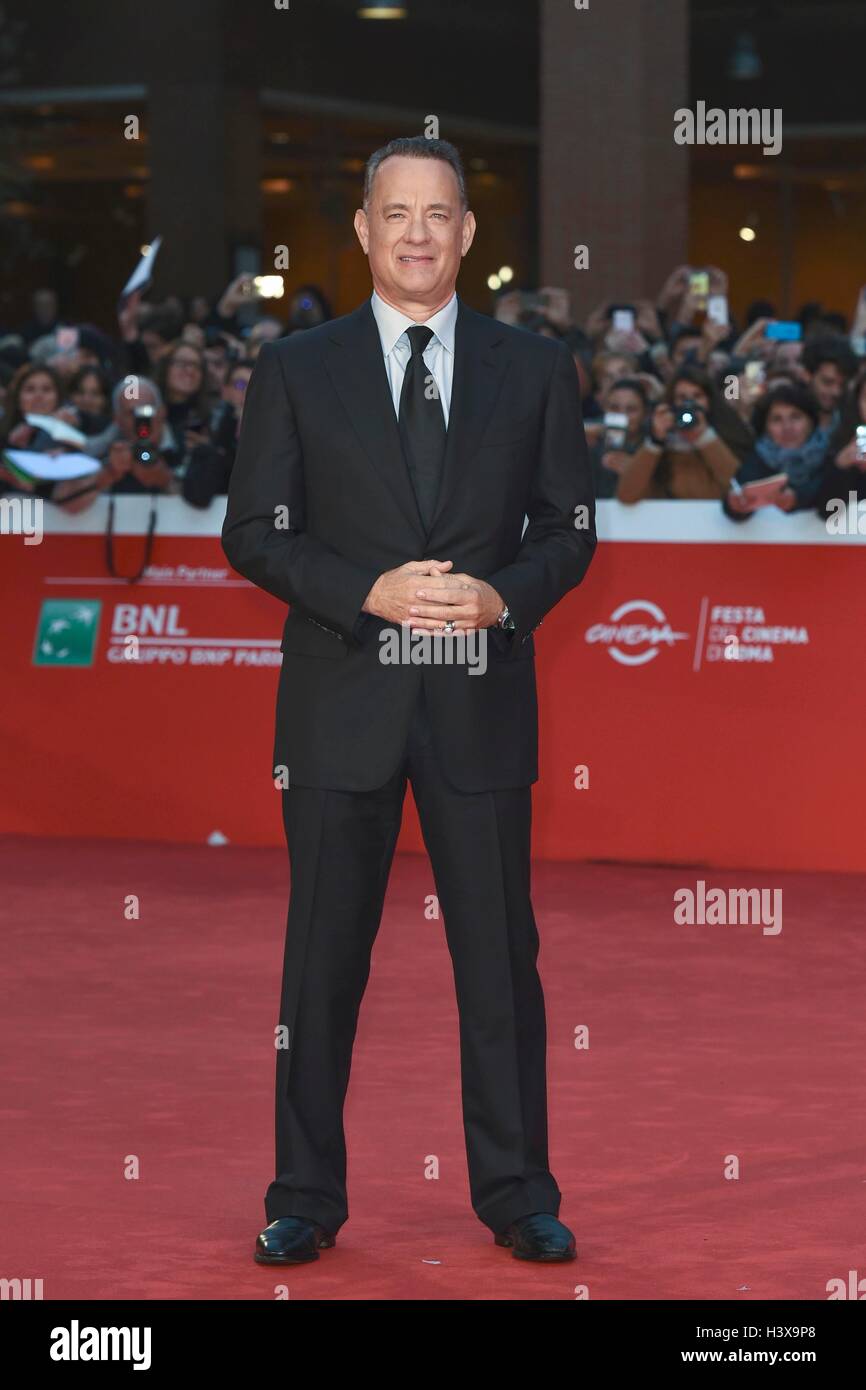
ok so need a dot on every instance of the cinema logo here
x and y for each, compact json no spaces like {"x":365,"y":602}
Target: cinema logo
{"x":743,"y":634}
{"x":639,"y":641}
{"x":77,"y":1343}
{"x":732,"y":907}
{"x":737,"y":126}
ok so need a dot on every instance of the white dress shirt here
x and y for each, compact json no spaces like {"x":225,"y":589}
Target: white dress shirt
{"x":438,"y":354}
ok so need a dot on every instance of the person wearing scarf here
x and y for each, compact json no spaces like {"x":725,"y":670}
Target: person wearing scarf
{"x":790,"y":440}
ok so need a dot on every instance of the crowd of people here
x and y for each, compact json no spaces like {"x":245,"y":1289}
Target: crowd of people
{"x":157,"y":404}
{"x":679,"y":401}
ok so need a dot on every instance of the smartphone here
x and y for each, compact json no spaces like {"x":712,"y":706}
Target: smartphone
{"x":754,"y":373}
{"x":860,"y":441}
{"x":269,"y":286}
{"x":615,"y":429}
{"x":622,"y":318}
{"x":782,"y":332}
{"x":717,"y":309}
{"x":699,"y":284}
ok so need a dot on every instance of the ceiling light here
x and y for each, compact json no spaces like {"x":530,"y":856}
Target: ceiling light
{"x":386,"y":9}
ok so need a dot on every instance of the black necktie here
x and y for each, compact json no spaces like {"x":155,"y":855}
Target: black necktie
{"x":422,"y":424}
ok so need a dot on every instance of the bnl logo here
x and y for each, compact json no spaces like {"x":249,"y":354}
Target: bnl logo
{"x":66,"y":632}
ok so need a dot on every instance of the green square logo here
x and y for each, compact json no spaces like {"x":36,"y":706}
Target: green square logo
{"x":66,"y":632}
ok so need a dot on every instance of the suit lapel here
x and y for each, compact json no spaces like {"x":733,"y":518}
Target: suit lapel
{"x":356,"y":366}
{"x":480,"y":362}
{"x":354,"y":362}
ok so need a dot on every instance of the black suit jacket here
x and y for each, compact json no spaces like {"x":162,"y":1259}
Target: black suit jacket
{"x":321,"y":503}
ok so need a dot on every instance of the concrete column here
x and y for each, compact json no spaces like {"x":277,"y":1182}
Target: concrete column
{"x":611,"y":176}
{"x":203,"y":150}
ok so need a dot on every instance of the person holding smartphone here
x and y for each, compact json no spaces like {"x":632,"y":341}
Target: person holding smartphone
{"x":844,"y":468}
{"x":621,"y":435}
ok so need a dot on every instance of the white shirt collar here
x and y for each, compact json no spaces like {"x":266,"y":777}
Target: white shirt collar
{"x":392,"y":324}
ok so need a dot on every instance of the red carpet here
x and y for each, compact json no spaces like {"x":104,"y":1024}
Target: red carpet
{"x":153,"y":1039}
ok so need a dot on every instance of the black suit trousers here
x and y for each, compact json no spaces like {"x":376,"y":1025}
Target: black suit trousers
{"x":341,"y":846}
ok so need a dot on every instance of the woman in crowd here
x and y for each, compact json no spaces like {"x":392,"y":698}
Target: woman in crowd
{"x":33,"y":390}
{"x":182,"y":379}
{"x":694,"y":445}
{"x":610,"y":451}
{"x":37,"y":390}
{"x":788,"y":440}
{"x":88,"y":393}
{"x":844,"y":469}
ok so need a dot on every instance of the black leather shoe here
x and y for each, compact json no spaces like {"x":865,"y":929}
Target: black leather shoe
{"x":539,"y":1236}
{"x":291,"y":1240}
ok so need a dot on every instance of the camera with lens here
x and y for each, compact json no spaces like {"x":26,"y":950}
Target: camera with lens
{"x":144,"y":449}
{"x":687,"y":415}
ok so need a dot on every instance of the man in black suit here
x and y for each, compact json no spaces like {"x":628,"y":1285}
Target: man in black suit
{"x":413,"y":480}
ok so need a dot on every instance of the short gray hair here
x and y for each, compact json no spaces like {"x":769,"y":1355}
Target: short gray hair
{"x":417,"y":147}
{"x":119,"y":392}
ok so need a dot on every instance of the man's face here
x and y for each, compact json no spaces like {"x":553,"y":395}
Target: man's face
{"x":414,"y":231}
{"x":828,"y":384}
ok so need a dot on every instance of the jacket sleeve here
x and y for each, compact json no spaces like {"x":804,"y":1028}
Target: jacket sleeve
{"x":637,"y":473}
{"x":720,"y":461}
{"x":263,"y":535}
{"x":560,"y":539}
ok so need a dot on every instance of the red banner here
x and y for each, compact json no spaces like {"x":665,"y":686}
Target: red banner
{"x":700,"y":702}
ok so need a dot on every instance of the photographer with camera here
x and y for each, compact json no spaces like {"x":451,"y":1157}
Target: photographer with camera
{"x":141,"y":449}
{"x":694,"y":446}
{"x":147,"y":453}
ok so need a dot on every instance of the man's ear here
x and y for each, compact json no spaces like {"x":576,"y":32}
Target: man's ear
{"x":468,"y":232}
{"x":362,"y":227}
